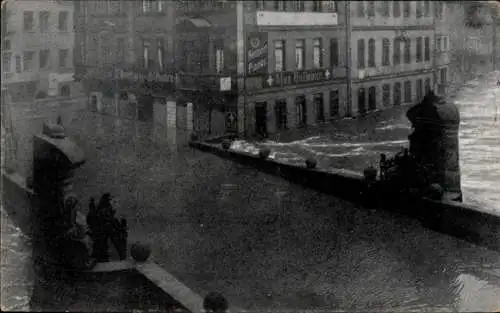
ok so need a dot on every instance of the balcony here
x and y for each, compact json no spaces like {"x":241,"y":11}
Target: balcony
{"x":287,"y":78}
{"x":279,"y":18}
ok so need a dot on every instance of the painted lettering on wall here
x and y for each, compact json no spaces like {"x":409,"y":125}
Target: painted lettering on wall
{"x":257,"y":53}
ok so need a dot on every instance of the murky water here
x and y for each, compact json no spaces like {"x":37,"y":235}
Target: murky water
{"x":355,"y":147}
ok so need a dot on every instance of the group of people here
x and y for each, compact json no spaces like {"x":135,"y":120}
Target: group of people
{"x":105,"y":227}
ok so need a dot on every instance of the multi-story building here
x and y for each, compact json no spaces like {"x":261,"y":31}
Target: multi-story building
{"x":257,"y":67}
{"x":116,"y":38}
{"x":37,"y":48}
{"x":261,"y":66}
{"x":396,"y":52}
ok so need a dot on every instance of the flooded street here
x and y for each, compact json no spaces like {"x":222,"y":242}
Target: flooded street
{"x":263,"y":242}
{"x":355,"y":145}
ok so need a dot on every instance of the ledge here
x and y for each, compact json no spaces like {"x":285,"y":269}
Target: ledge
{"x":470,"y":223}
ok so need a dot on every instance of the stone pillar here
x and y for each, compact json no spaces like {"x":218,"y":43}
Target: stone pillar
{"x":189,"y":116}
{"x":171,"y":114}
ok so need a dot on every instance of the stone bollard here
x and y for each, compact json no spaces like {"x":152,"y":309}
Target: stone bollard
{"x":436,"y":192}
{"x":264,"y":153}
{"x":370,"y":174}
{"x":140,"y":252}
{"x":215,"y":302}
{"x":311,"y":162}
{"x":226,"y":144}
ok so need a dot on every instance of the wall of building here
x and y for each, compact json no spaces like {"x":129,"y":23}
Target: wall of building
{"x":33,"y":41}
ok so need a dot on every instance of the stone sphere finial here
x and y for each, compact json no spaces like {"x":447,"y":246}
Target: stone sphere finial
{"x":215,"y":302}
{"x":140,"y":252}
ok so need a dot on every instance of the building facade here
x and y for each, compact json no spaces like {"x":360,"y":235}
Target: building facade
{"x":37,"y":48}
{"x":397,"y":52}
{"x":259,"y":67}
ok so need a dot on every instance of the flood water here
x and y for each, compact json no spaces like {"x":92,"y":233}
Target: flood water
{"x":341,"y":146}
{"x":268,"y":244}
{"x":263,"y":242}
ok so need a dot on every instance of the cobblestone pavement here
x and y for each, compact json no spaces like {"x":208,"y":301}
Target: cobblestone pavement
{"x":268,"y":244}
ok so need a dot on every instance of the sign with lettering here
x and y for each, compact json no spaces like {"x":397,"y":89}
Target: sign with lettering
{"x":257,"y":53}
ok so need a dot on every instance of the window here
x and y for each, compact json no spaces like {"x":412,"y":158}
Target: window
{"x":7,"y":62}
{"x":397,"y":94}
{"x":6,"y":44}
{"x":396,"y":8}
{"x":371,"y":8}
{"x":160,"y":52}
{"x":44,"y":21}
{"x":334,"y":52}
{"x":407,"y":42}
{"x":372,"y":98}
{"x":281,"y":113}
{"x":397,"y":51}
{"x":219,"y":59}
{"x":279,"y":5}
{"x":419,"y":50}
{"x":279,"y":55}
{"x":371,"y":53}
{"x":419,"y":12}
{"x":63,"y":57}
{"x":439,"y":8}
{"x":334,"y":103}
{"x":427,"y":49}
{"x":427,"y":8}
{"x":386,"y":8}
{"x":386,"y":94}
{"x":443,"y":75}
{"x":438,"y":44}
{"x":318,"y":53}
{"x":120,"y":50}
{"x":427,"y":85}
{"x":407,"y":87}
{"x":445,"y":43}
{"x":19,"y":66}
{"x":160,"y":6}
{"x":300,"y":105}
{"x":361,"y":101}
{"x":299,"y":55}
{"x":63,"y":21}
{"x":298,"y":5}
{"x":28,"y":20}
{"x":420,"y":89}
{"x":147,"y":6}
{"x":44,"y":58}
{"x":319,"y":106}
{"x":260,"y":4}
{"x":145,"y":54}
{"x":317,"y":6}
{"x":360,"y":8}
{"x":361,"y":53}
{"x":407,"y":8}
{"x":386,"y":50}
